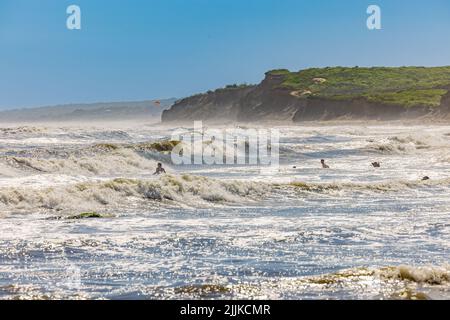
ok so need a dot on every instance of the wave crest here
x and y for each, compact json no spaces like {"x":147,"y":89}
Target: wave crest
{"x":423,"y":275}
{"x":180,"y":190}
{"x":21,"y":130}
{"x":403,"y":144}
{"x":105,"y":159}
{"x":375,"y":186}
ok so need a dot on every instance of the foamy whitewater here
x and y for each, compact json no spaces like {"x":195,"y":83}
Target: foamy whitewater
{"x":82,"y":216}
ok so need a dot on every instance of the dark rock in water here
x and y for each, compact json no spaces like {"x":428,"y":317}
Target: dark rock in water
{"x":86,"y":215}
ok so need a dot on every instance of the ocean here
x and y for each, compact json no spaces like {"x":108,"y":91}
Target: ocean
{"x":83,"y":217}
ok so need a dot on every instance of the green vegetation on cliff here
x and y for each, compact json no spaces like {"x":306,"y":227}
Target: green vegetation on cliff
{"x":406,"y":86}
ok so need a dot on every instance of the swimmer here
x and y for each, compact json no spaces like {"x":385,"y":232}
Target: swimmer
{"x":324,"y":165}
{"x":159,"y":169}
{"x":376,"y":164}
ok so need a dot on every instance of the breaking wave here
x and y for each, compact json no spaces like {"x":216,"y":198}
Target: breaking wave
{"x":430,"y":275}
{"x":180,"y":190}
{"x":406,"y":144}
{"x":99,"y":135}
{"x":422,"y":275}
{"x":20,"y":131}
{"x":102,"y":159}
{"x":395,"y":282}
{"x":96,"y":159}
{"x":391,"y":283}
{"x":375,"y":186}
{"x":185,"y":190}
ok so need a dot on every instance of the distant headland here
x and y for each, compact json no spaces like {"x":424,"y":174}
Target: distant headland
{"x":321,"y":94}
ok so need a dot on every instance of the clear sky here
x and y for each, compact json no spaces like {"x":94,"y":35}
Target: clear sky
{"x":136,"y":49}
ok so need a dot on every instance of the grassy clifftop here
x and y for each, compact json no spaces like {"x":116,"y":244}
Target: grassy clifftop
{"x":405,"y":86}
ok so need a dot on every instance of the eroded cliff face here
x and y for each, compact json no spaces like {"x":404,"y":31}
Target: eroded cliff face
{"x":443,"y":112}
{"x":357,"y":109}
{"x":217,"y":106}
{"x":270,"y":101}
{"x":266,"y":101}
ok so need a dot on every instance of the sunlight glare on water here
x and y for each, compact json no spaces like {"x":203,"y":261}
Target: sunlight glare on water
{"x":352,"y":231}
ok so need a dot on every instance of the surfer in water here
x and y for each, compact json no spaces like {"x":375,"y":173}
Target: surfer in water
{"x":159,"y":169}
{"x":324,"y":165}
{"x":376,"y":164}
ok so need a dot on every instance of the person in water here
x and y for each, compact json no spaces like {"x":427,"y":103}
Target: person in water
{"x":376,"y":164}
{"x":324,"y":165}
{"x":159,"y":169}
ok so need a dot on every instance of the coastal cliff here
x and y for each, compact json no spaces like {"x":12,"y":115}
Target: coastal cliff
{"x":325,"y":94}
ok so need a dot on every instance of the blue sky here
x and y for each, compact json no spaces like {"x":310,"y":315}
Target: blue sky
{"x":136,"y":49}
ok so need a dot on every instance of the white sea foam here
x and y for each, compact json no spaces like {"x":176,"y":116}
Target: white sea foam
{"x":115,"y":161}
{"x":431,"y":275}
{"x":181,"y":190}
{"x":14,"y":131}
{"x":226,"y":231}
{"x":408,"y":143}
{"x":384,"y":186}
{"x":399,"y":283}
